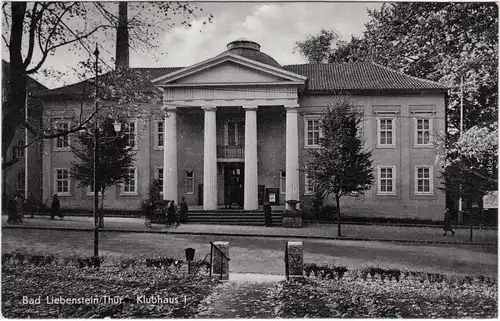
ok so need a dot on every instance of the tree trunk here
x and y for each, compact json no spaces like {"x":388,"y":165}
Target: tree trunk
{"x":13,"y":110}
{"x":337,"y":199}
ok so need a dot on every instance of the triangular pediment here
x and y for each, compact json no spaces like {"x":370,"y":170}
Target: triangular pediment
{"x":229,"y":69}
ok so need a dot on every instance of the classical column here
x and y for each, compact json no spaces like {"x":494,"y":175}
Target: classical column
{"x":210,"y":160}
{"x":250,"y":194}
{"x":170,"y":155}
{"x":292,"y":153}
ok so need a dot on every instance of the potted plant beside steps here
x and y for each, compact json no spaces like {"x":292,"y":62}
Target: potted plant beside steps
{"x":292,"y":217}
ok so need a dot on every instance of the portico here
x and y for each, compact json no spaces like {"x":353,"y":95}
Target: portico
{"x":230,"y":81}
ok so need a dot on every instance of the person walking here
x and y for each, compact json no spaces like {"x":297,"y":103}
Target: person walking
{"x":171,"y":214}
{"x":447,"y":223}
{"x":11,"y":211}
{"x":184,"y":216}
{"x":54,"y":209}
{"x":19,"y":207}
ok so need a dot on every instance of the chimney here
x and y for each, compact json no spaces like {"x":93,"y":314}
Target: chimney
{"x":122,"y":49}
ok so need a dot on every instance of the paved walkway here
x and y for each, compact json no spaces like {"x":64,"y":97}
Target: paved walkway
{"x":349,"y":232}
{"x":244,"y":296}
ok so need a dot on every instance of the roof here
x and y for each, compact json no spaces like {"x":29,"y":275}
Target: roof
{"x":254,"y":55}
{"x":359,"y":76}
{"x":335,"y":77}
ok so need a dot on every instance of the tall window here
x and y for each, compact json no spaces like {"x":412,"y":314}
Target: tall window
{"x":422,"y":131}
{"x":189,"y":182}
{"x":20,"y":148}
{"x":283,"y":182}
{"x":130,"y":185}
{"x":235,"y":133}
{"x":387,"y":180}
{"x":21,"y":180}
{"x":159,"y":177}
{"x":386,"y":131}
{"x":62,"y":181}
{"x":313,"y":132}
{"x":160,"y":131}
{"x":131,"y":133}
{"x":63,"y":141}
{"x":423,"y":180}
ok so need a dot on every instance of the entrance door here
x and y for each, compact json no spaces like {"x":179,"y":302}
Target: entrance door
{"x":233,"y":184}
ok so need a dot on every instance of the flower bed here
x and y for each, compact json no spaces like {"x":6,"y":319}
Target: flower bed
{"x":386,"y":293}
{"x":64,"y":288}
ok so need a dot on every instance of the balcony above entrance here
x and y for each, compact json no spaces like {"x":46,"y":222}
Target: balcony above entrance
{"x":230,"y":153}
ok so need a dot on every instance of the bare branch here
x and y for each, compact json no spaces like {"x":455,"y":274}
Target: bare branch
{"x":31,"y":41}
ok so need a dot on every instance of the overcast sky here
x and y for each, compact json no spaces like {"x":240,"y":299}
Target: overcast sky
{"x":274,"y":25}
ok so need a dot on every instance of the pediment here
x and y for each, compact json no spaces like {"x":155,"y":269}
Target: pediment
{"x":229,"y":69}
{"x":229,"y":72}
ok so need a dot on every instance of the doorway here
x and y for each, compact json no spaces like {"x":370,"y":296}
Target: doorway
{"x":233,"y":185}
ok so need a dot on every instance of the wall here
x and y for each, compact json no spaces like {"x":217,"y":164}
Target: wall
{"x":405,"y":157}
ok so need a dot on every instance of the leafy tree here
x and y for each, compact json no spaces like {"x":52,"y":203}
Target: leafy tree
{"x":470,"y":163}
{"x":442,"y":41}
{"x":340,"y":166}
{"x":33,"y":31}
{"x":114,"y":159}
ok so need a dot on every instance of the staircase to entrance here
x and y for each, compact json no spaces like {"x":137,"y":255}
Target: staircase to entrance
{"x":234,"y":217}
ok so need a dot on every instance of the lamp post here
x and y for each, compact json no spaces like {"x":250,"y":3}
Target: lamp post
{"x":96,"y":159}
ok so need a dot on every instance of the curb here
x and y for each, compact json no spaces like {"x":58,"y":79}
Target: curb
{"x":313,"y":237}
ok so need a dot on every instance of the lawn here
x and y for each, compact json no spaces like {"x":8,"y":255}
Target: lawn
{"x":354,"y":296}
{"x":61,"y":288}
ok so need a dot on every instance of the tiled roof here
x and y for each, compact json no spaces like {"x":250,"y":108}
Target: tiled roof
{"x":358,"y":76}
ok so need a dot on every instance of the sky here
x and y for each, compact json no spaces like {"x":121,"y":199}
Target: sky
{"x":276,"y":26}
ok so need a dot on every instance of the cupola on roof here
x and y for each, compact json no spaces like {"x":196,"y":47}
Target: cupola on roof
{"x":251,"y":50}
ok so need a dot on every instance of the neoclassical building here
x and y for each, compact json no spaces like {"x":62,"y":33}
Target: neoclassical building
{"x":238,"y":128}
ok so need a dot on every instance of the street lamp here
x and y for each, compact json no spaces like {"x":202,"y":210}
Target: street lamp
{"x":98,"y":223}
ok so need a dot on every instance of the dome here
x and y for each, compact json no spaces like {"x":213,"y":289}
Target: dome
{"x":251,"y":50}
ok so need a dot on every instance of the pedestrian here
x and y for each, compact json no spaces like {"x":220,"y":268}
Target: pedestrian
{"x":54,"y":209}
{"x":149,"y":214}
{"x":184,"y":216}
{"x":19,"y":207}
{"x":171,"y":214}
{"x":447,"y":223}
{"x":11,"y":210}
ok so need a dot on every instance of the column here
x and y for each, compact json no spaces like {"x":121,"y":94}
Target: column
{"x":170,"y":155}
{"x":210,"y":160}
{"x":250,"y":193}
{"x":292,"y":153}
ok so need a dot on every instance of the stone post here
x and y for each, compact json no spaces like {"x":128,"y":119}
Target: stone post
{"x":217,"y":258}
{"x":295,"y":259}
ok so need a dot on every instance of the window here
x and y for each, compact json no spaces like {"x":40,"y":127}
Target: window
{"x":160,"y":131}
{"x":282,"y":182}
{"x":62,"y":182}
{"x":21,"y":180}
{"x":189,"y":182}
{"x":159,"y":177}
{"x":386,"y":180}
{"x":90,"y":190}
{"x":308,"y":187}
{"x":63,"y":141}
{"x":235,"y":132}
{"x":386,"y":131}
{"x":130,"y":185}
{"x":423,"y":129}
{"x":20,"y":148}
{"x":423,"y":180}
{"x":130,"y":131}
{"x":313,"y":132}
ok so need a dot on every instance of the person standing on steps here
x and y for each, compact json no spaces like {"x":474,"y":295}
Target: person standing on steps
{"x":184,"y":217}
{"x":54,"y":209}
{"x":171,"y":214}
{"x":447,"y":223}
